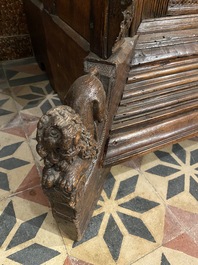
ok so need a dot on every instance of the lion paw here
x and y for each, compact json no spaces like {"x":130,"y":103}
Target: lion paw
{"x":49,"y":178}
{"x":68,"y":183}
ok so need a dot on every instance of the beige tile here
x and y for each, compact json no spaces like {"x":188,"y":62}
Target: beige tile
{"x":147,"y":211}
{"x":16,"y":160}
{"x":173,"y":181}
{"x":168,"y":256}
{"x":8,"y":109}
{"x":47,"y":236}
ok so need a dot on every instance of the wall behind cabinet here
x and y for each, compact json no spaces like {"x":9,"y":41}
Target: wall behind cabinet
{"x":14,"y":36}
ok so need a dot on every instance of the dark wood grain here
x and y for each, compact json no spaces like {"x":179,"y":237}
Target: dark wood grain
{"x":160,"y":100}
{"x":182,"y":7}
{"x":149,"y":84}
{"x":151,"y":137}
{"x":154,"y":8}
{"x":106,"y":16}
{"x":66,"y":52}
{"x":168,"y":24}
{"x":76,"y":13}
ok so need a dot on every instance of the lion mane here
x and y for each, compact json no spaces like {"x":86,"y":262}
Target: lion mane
{"x":62,"y":138}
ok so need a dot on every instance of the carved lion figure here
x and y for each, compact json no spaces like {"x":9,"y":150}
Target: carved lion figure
{"x":66,"y":147}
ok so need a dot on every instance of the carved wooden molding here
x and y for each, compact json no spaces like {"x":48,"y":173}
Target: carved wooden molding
{"x":182,"y":7}
{"x":173,"y":3}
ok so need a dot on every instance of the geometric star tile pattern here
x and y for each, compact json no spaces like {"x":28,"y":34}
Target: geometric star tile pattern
{"x":24,"y":235}
{"x":119,"y":218}
{"x":36,"y":99}
{"x":177,"y":168}
{"x":147,"y":212}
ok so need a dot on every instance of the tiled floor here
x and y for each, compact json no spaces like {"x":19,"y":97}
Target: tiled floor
{"x":147,"y":213}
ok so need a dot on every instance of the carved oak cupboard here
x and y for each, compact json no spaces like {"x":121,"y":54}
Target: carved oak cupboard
{"x":127,"y":74}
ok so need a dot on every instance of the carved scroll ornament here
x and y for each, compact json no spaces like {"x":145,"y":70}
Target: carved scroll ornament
{"x":66,"y":140}
{"x":128,"y":15}
{"x":126,"y":23}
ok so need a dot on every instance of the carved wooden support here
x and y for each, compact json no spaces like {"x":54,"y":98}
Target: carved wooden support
{"x":72,"y":139}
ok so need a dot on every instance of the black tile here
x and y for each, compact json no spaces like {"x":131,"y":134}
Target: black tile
{"x":3,"y":101}
{"x":4,"y":183}
{"x":3,"y":79}
{"x":31,"y":97}
{"x":194,"y":188}
{"x":92,"y":229}
{"x":113,"y":238}
{"x":162,"y":171}
{"x":109,"y":185}
{"x":27,"y":231}
{"x":38,"y":90}
{"x":10,"y":73}
{"x":139,"y":205}
{"x":56,"y":102}
{"x":175,"y":186}
{"x":97,"y":207}
{"x":32,"y":104}
{"x":27,"y":80}
{"x":179,"y":152}
{"x":46,"y":106}
{"x":7,"y":222}
{"x":194,"y":157}
{"x":166,"y":157}
{"x":49,"y":89}
{"x":164,"y":260}
{"x":12,"y":163}
{"x":23,"y":61}
{"x":101,"y":198}
{"x":127,"y":187}
{"x":9,"y":149}
{"x":34,"y":255}
{"x":4,"y":112}
{"x":136,"y":227}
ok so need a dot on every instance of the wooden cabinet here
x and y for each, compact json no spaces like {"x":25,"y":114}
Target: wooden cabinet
{"x":139,"y":93}
{"x":64,"y":32}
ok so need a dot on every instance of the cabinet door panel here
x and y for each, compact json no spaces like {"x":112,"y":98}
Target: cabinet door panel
{"x":76,"y":13}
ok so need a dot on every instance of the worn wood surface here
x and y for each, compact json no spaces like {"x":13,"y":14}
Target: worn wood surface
{"x":105,"y":20}
{"x":182,"y":7}
{"x":166,"y":45}
{"x":154,"y":8}
{"x":76,"y":13}
{"x":160,"y":100}
{"x":159,"y":106}
{"x":72,"y":179}
{"x":168,"y":24}
{"x":150,"y":83}
{"x":37,"y":35}
{"x":66,"y":52}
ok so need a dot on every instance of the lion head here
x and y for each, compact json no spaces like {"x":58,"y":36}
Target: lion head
{"x":62,"y":137}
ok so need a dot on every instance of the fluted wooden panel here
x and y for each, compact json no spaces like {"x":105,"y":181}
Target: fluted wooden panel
{"x":160,"y":100}
{"x":155,"y":8}
{"x":180,"y":7}
{"x":159,"y":106}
